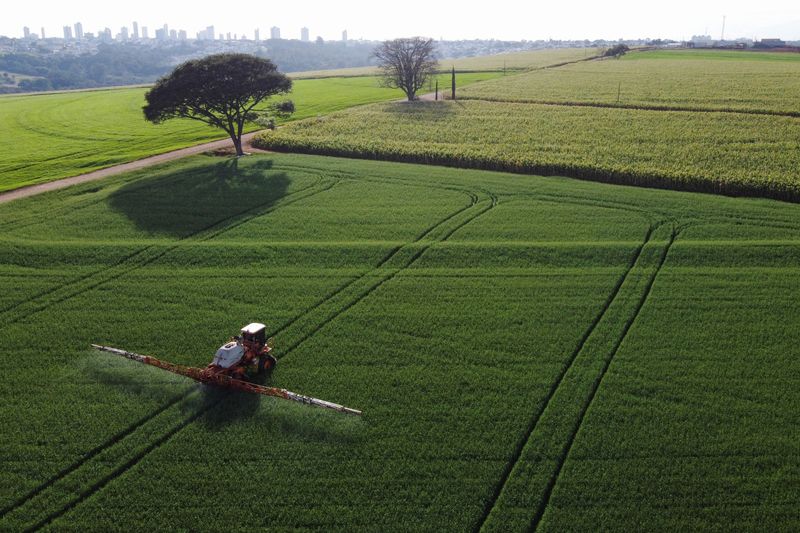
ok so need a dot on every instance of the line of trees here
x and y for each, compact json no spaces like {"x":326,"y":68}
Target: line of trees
{"x":131,"y":63}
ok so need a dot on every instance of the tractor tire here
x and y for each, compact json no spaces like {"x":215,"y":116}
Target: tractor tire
{"x":266,"y":363}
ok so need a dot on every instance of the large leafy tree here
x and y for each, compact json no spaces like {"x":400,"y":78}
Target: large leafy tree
{"x":407,"y":63}
{"x":223,"y":90}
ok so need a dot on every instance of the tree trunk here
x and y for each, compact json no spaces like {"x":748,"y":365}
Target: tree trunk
{"x":237,"y":143}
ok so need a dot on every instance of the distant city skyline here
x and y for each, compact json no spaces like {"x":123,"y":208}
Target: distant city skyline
{"x":131,"y":33}
{"x":506,"y":20}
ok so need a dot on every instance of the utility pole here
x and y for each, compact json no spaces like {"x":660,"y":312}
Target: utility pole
{"x":453,"y":81}
{"x":723,"y":28}
{"x":436,"y":96}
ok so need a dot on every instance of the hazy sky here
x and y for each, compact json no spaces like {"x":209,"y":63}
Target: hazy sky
{"x":500,"y":19}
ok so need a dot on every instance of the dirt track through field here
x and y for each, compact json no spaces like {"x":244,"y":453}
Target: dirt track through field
{"x":32,"y":190}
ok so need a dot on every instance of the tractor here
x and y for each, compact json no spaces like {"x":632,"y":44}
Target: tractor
{"x":244,"y":355}
{"x":233,"y":367}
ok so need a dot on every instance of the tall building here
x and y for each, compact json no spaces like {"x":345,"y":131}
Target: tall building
{"x":161,"y":34}
{"x":123,"y":34}
{"x":182,"y":35}
{"x":257,"y":35}
{"x":304,"y":35}
{"x":275,"y":33}
{"x":78,"y":31}
{"x":228,"y":36}
{"x":67,"y":32}
{"x":26,"y":32}
{"x":344,"y":36}
{"x":145,"y":35}
{"x":173,"y":35}
{"x":206,"y":34}
{"x":43,"y":37}
{"x":135,"y":30}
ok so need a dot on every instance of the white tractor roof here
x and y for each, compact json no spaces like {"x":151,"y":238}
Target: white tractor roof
{"x":253,"y":328}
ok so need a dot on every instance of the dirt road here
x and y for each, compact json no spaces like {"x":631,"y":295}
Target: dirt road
{"x":32,"y":190}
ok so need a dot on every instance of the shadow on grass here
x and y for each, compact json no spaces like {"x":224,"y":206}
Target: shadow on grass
{"x":189,"y":200}
{"x":276,"y":415}
{"x":423,"y":109}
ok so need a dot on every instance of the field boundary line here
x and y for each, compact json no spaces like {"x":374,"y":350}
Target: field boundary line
{"x":663,"y":180}
{"x":534,"y":421}
{"x":545,"y":501}
{"x":634,"y":107}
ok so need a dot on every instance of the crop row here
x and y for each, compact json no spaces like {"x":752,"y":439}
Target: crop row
{"x":753,"y":85}
{"x":711,"y":152}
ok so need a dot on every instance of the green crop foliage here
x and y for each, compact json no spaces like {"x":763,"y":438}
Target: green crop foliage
{"x":732,"y":81}
{"x":527,"y":351}
{"x":712,"y":152}
{"x":52,"y":136}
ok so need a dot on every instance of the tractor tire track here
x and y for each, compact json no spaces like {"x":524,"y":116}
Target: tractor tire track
{"x":120,"y":437}
{"x":372,"y":288}
{"x":92,"y":489}
{"x":127,"y":258}
{"x":195,"y":416}
{"x":91,"y":454}
{"x":531,"y":427}
{"x":386,"y":258}
{"x":139,"y":259}
{"x":596,"y":386}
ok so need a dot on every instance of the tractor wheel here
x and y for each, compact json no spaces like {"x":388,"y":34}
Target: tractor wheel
{"x":266,"y":363}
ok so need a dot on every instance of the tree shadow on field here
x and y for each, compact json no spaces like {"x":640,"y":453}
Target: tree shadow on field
{"x":189,"y":200}
{"x":423,"y":110}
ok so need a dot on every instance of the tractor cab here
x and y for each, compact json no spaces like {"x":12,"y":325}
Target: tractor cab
{"x":250,"y":349}
{"x":254,"y":336}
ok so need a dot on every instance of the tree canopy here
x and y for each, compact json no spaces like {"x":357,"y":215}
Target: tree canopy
{"x":222,"y":90}
{"x":407,"y":63}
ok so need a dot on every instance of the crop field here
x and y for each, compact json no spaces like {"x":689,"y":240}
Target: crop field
{"x":732,"y":153}
{"x":54,"y":136}
{"x":534,"y":59}
{"x":747,"y":82}
{"x":754,"y":153}
{"x":530,"y":353}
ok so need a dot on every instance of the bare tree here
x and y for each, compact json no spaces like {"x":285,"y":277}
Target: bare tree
{"x":407,"y":63}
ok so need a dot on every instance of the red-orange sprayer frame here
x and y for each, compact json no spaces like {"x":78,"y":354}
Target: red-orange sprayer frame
{"x":223,"y":380}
